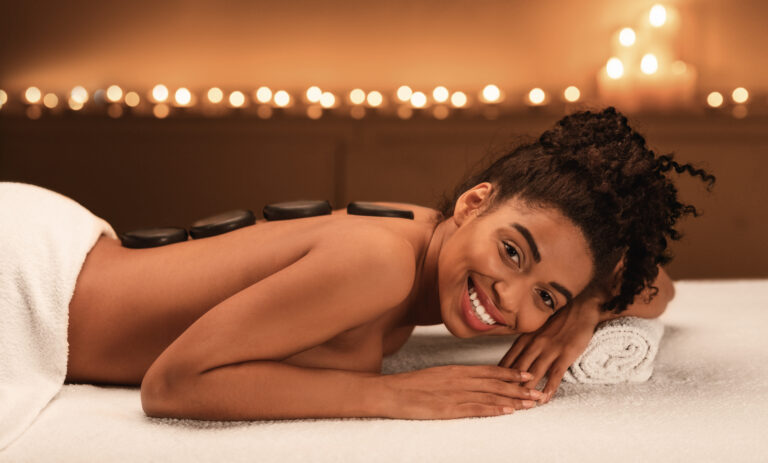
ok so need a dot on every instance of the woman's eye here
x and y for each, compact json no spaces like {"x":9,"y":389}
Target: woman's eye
{"x":512,"y":252}
{"x":548,"y":299}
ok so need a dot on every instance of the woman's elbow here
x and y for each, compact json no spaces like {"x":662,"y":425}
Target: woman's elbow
{"x":156,"y":395}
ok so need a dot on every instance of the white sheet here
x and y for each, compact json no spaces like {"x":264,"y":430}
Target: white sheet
{"x":707,"y":400}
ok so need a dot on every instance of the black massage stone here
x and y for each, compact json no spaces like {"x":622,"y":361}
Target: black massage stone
{"x":296,"y":209}
{"x":221,"y":223}
{"x":152,"y":237}
{"x":364,"y":208}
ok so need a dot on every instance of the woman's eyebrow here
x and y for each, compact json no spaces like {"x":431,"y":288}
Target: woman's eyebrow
{"x":529,"y":238}
{"x":537,"y":258}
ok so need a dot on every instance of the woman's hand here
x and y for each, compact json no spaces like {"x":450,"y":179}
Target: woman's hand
{"x":456,"y":391}
{"x":555,"y":346}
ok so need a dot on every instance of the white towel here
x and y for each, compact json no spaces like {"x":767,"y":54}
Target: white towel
{"x":621,"y":350}
{"x":44,"y":239}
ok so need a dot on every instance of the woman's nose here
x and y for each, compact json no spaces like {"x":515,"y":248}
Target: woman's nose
{"x":509,"y":299}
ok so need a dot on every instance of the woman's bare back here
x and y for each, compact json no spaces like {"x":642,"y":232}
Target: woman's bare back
{"x":130,"y":304}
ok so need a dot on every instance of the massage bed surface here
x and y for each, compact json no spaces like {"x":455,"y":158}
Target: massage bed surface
{"x":707,"y":400}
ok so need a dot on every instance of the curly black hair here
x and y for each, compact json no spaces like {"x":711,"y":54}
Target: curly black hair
{"x":598,"y":172}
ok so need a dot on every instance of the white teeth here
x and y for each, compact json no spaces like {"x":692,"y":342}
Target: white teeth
{"x":479,"y":309}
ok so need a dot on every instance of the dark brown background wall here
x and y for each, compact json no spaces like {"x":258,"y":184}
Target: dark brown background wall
{"x":140,"y":173}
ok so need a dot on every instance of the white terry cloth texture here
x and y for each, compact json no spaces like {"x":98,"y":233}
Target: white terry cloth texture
{"x":621,"y":350}
{"x":707,"y":401}
{"x":44,"y":239}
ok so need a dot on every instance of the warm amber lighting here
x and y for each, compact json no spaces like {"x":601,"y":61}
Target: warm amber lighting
{"x":491,"y":93}
{"x":440,"y":94}
{"x":738,"y":111}
{"x":404,"y":112}
{"x":160,"y":93}
{"x":715,"y":99}
{"x":114,"y":93}
{"x":182,"y":96}
{"x":79,"y":95}
{"x":3,"y":97}
{"x":459,"y":99}
{"x":282,"y":98}
{"x":740,"y":95}
{"x":657,"y":16}
{"x":440,"y":112}
{"x":536,"y":96}
{"x":33,"y":95}
{"x":418,"y":99}
{"x":161,"y":110}
{"x":50,"y":100}
{"x":357,"y":96}
{"x":357,"y":112}
{"x":264,"y":111}
{"x":404,"y":93}
{"x":327,"y":100}
{"x":215,"y":95}
{"x":614,"y":68}
{"x":649,"y":64}
{"x":627,"y":37}
{"x":314,"y":112}
{"x":263,"y":95}
{"x":132,"y":99}
{"x":237,"y":99}
{"x":375,"y":98}
{"x":74,"y":105}
{"x":314,"y":94}
{"x":572,"y":94}
{"x":679,"y":67}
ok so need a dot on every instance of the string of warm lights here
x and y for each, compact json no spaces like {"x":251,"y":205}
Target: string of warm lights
{"x":629,"y":81}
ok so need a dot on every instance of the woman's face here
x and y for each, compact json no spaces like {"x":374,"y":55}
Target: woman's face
{"x":524,"y":264}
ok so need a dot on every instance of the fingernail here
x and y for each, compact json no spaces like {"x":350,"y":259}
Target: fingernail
{"x":529,"y":403}
{"x":536,"y":394}
{"x":526,"y":375}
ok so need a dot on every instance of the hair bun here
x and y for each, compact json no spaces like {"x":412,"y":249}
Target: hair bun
{"x":587,"y":128}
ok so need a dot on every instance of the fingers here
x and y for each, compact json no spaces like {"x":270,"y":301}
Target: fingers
{"x":502,"y":388}
{"x":498,"y":401}
{"x":555,"y":378}
{"x":517,"y":346}
{"x":540,"y":366}
{"x":496,"y":372}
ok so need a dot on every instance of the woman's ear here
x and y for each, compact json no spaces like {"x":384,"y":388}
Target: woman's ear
{"x":472,"y":202}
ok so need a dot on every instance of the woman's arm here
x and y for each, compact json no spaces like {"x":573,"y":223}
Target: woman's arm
{"x":640,"y":308}
{"x":226,"y":364}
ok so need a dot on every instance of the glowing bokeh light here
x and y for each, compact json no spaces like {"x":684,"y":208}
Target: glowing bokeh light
{"x":182,"y":96}
{"x":649,"y":64}
{"x":491,"y":93}
{"x":161,"y":110}
{"x":314,"y":112}
{"x":418,"y":99}
{"x":327,"y":100}
{"x":215,"y":95}
{"x":3,"y":97}
{"x":160,"y":93}
{"x":314,"y":94}
{"x":79,"y":95}
{"x":404,"y":93}
{"x":572,"y":93}
{"x":614,"y":68}
{"x":627,"y":37}
{"x":440,"y":112}
{"x":50,"y":100}
{"x":74,"y":105}
{"x":740,"y":95}
{"x":114,"y":93}
{"x":459,"y":99}
{"x":357,"y":96}
{"x":404,"y":112}
{"x":657,"y":15}
{"x":536,"y":96}
{"x":715,"y":99}
{"x":237,"y":99}
{"x":263,"y":95}
{"x":132,"y":99}
{"x":282,"y":98}
{"x":440,"y":94}
{"x":33,"y":95}
{"x":375,"y":98}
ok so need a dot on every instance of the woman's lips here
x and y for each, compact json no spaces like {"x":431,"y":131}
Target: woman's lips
{"x":469,"y":313}
{"x":488,"y":305}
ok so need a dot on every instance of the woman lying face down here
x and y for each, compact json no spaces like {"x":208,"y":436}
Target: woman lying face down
{"x":549,"y":240}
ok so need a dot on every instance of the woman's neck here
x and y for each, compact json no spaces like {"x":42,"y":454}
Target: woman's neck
{"x":425,"y":306}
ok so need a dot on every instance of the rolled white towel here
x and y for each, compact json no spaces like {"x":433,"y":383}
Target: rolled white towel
{"x":621,"y":350}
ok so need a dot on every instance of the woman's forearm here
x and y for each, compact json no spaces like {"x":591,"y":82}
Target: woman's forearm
{"x":653,"y":309}
{"x":266,"y":390}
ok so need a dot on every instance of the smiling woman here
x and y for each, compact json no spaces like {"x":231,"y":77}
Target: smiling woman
{"x":291,"y":318}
